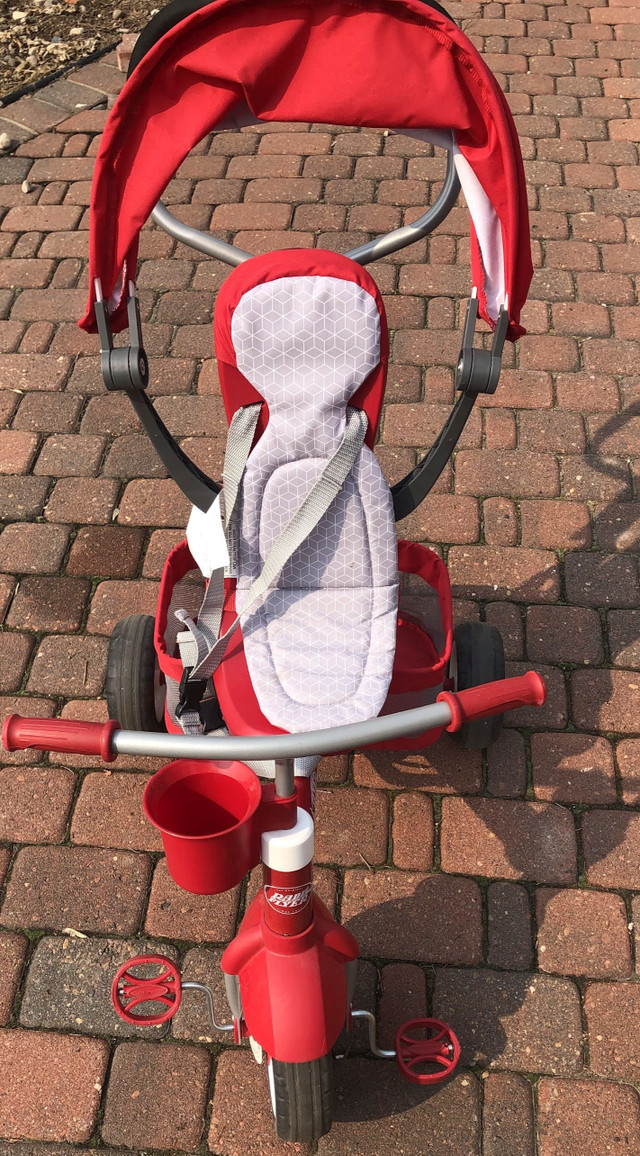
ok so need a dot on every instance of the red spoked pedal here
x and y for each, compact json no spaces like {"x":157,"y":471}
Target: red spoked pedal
{"x":128,"y":991}
{"x":427,"y":1051}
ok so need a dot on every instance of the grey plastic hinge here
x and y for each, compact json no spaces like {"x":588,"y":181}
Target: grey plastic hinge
{"x":126,"y":368}
{"x":478,"y":370}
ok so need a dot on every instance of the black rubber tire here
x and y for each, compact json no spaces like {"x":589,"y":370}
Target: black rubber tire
{"x":303,"y":1099}
{"x":479,"y":659}
{"x":131,"y":675}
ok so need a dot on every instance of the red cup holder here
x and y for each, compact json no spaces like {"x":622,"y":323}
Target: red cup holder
{"x":204,"y":812}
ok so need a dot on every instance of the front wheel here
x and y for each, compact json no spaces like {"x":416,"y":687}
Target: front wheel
{"x":477,"y":657}
{"x":135,"y":686}
{"x":301,"y":1098}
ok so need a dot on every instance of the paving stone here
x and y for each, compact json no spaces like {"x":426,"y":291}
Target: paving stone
{"x":507,"y":766}
{"x":51,"y":1085}
{"x":624,"y":638}
{"x":512,"y":1020}
{"x":114,"y":600}
{"x":412,"y":832}
{"x":596,"y":579}
{"x":67,"y":664}
{"x":606,"y":699}
{"x":612,"y":1011}
{"x":502,"y":572}
{"x":564,"y":634}
{"x":443,"y":769}
{"x":85,"y":888}
{"x":91,"y":504}
{"x":412,"y":916}
{"x":177,"y":914}
{"x":13,"y":949}
{"x":133,"y":456}
{"x":403,"y":998}
{"x":106,"y":552}
{"x":587,"y":1116}
{"x":22,"y":497}
{"x":15,"y":651}
{"x":49,"y":604}
{"x":509,"y":927}
{"x":582,"y":933}
{"x":333,"y":769}
{"x":628,"y":756}
{"x":611,"y":841}
{"x":35,"y":803}
{"x":173,"y":1120}
{"x":153,"y":503}
{"x":573,"y":768}
{"x":36,"y":549}
{"x":191,"y":1021}
{"x":17,"y":451}
{"x":68,"y":985}
{"x":7,"y":587}
{"x":507,"y":1116}
{"x":5,"y":856}
{"x":386,"y":1114}
{"x":351,"y":826}
{"x":509,"y":840}
{"x":70,"y":455}
{"x":108,"y":813}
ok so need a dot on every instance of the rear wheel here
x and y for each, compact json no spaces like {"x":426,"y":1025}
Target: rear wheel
{"x":301,"y":1097}
{"x":135,"y":685}
{"x":477,"y":657}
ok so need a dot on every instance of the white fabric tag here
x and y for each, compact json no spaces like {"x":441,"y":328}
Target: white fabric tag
{"x":206,"y":538}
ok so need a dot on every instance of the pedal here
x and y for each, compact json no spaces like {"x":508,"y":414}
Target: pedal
{"x":427,"y":1051}
{"x":129,"y":991}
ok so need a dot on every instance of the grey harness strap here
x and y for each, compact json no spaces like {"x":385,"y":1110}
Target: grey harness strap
{"x":194,"y":649}
{"x":239,"y":441}
{"x":199,"y":648}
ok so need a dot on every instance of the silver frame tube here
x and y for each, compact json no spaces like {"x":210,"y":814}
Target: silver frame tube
{"x":244,"y":748}
{"x":408,"y":234}
{"x":196,"y":239}
{"x":371,"y":250}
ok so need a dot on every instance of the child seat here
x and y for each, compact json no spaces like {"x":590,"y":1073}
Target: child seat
{"x":302,"y":350}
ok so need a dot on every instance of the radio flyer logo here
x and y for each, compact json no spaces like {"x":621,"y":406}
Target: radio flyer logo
{"x":288,"y":900}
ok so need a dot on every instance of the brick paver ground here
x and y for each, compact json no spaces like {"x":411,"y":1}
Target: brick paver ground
{"x":501,"y":891}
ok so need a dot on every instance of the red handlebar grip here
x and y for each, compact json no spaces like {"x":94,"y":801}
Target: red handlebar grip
{"x":494,"y":698}
{"x":60,"y":734}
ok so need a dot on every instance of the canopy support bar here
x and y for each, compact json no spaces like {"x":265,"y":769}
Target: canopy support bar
{"x":370,"y":251}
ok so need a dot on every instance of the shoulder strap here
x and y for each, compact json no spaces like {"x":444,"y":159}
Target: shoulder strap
{"x":204,"y":653}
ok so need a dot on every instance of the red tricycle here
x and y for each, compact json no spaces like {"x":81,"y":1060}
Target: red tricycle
{"x":291,"y":623}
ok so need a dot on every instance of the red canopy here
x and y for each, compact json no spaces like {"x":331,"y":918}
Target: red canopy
{"x":396,"y":63}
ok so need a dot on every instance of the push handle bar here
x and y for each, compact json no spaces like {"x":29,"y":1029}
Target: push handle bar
{"x":60,"y":734}
{"x":450,"y":710}
{"x":493,"y":698}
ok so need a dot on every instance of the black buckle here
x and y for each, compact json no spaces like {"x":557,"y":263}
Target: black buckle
{"x":478,"y":370}
{"x":210,"y":714}
{"x":126,"y":368}
{"x":191,"y":693}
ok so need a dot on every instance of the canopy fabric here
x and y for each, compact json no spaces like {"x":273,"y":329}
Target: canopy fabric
{"x":398,"y":64}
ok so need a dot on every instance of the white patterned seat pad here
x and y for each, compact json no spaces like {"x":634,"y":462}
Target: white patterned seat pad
{"x":320,"y":646}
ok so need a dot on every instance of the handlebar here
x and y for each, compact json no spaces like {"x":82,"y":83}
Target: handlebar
{"x":363,"y":254}
{"x":450,"y":710}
